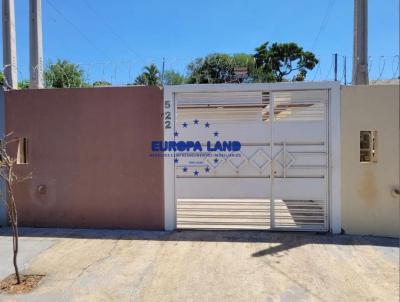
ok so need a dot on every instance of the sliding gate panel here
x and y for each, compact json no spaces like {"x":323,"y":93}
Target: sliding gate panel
{"x":224,"y":190}
{"x":300,"y":165}
{"x":278,"y":179}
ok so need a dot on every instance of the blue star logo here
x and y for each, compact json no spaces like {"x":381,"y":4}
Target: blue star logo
{"x":215,"y":160}
{"x":216,"y":133}
{"x":207,"y":125}
{"x":176,"y":133}
{"x":196,"y":121}
{"x":196,"y":173}
{"x":207,"y":169}
{"x":184,"y":125}
{"x":184,"y":169}
{"x":176,"y":160}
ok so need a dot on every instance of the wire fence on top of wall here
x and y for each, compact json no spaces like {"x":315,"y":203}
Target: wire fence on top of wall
{"x":329,"y":68}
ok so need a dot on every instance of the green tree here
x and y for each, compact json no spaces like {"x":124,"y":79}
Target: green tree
{"x":101,"y":84}
{"x":276,"y":62}
{"x":24,"y":84}
{"x":64,"y":74}
{"x":220,"y":68}
{"x":273,"y":63}
{"x":213,"y":69}
{"x":196,"y":73}
{"x":172,"y":77}
{"x":244,"y":60}
{"x":150,"y":76}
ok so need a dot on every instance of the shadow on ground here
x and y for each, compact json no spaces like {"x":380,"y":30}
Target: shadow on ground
{"x":283,"y":240}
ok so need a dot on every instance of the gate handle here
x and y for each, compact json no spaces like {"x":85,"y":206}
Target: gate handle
{"x":396,"y":191}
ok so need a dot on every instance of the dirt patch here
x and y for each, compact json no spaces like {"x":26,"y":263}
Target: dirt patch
{"x":28,"y":282}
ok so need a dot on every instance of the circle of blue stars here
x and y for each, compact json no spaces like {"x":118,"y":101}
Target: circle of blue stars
{"x":196,"y":122}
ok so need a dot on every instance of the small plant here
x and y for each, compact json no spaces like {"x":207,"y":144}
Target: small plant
{"x":11,"y":179}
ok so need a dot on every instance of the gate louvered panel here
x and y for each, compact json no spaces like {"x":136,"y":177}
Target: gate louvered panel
{"x":210,"y":99}
{"x":250,"y":214}
{"x":299,"y":214}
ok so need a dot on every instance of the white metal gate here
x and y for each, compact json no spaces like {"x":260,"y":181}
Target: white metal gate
{"x":280,"y":177}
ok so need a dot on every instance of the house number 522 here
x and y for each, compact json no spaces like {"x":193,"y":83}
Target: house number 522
{"x":167,"y":115}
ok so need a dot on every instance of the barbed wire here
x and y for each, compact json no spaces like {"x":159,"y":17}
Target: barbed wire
{"x":124,"y":72}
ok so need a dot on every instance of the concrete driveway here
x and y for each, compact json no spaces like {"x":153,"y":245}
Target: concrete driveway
{"x":99,"y":265}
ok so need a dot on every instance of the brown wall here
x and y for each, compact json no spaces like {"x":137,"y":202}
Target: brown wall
{"x":90,"y":147}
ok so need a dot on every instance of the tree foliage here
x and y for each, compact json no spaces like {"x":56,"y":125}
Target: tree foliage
{"x":214,"y":68}
{"x":150,"y":76}
{"x":280,"y":60}
{"x":64,"y":74}
{"x":217,"y":68}
{"x":268,"y":64}
{"x":101,"y":84}
{"x":24,"y":84}
{"x":172,"y":77}
{"x":274,"y":62}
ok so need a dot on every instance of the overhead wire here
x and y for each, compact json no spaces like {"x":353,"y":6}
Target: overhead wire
{"x":76,"y":28}
{"x":114,"y":32}
{"x":323,"y":23}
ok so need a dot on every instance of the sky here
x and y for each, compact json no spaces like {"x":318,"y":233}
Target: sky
{"x":113,"y":40}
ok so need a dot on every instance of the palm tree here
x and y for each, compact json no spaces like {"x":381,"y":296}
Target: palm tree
{"x":150,"y":76}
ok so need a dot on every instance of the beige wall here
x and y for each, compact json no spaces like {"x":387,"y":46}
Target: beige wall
{"x":368,"y":207}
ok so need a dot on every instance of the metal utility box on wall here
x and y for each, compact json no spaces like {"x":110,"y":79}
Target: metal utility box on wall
{"x":368,"y":151}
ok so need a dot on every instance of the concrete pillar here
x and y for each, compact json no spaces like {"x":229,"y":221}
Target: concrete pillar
{"x":9,"y":46}
{"x":360,"y":43}
{"x":35,"y":44}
